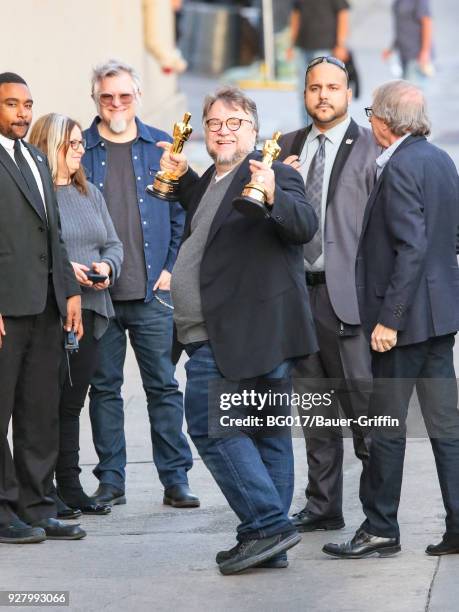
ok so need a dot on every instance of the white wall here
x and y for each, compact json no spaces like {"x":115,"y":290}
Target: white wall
{"x":53,"y":45}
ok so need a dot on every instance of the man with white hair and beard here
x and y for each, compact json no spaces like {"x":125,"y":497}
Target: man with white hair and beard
{"x":121,"y":157}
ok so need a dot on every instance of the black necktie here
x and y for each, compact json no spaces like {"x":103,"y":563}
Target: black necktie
{"x":29,"y":179}
{"x":314,"y":187}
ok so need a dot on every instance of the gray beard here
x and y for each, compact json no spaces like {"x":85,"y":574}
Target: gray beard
{"x":118,"y":126}
{"x":228,"y":161}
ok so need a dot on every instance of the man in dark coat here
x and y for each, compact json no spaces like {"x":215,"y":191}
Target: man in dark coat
{"x":37,"y":289}
{"x":408,"y":287}
{"x":242,"y":314}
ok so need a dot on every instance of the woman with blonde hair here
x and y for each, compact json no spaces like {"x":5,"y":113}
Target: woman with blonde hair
{"x":96,"y":255}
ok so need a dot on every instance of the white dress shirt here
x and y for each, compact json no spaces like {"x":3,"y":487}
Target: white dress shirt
{"x":8,"y":145}
{"x":385,"y":156}
{"x":333,"y":140}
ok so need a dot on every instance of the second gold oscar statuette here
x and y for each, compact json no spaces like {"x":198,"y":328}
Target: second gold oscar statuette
{"x":252,"y":201}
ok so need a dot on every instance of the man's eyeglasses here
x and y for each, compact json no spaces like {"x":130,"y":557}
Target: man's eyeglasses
{"x":76,"y":144}
{"x":327,"y":59}
{"x":106,"y":99}
{"x":233,"y":124}
{"x":369,"y":112}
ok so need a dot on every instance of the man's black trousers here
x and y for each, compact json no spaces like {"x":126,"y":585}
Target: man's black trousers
{"x":427,"y":366}
{"x":29,"y":397}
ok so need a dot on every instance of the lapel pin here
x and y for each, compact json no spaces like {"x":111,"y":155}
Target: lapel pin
{"x":40,"y":159}
{"x":349,"y":141}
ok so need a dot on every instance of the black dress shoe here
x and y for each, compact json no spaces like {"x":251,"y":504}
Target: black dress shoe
{"x":108,"y":494}
{"x":362,"y":545}
{"x":77,"y":501}
{"x":180,"y":496}
{"x":96,"y":509}
{"x":57,"y":530}
{"x":277,"y":562}
{"x":63,"y":511}
{"x":18,"y":532}
{"x":68,"y":514}
{"x":448,"y":546}
{"x":306,"y":521}
{"x":251,"y":553}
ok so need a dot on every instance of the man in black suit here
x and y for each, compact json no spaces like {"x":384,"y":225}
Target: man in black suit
{"x":339,"y":157}
{"x":408,"y":286}
{"x":37,"y":287}
{"x":242,"y":314}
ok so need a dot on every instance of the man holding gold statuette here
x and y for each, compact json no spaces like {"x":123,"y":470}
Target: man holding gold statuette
{"x":242,"y":315}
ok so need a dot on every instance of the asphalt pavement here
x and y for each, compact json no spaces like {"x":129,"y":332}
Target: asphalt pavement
{"x":146,"y":556}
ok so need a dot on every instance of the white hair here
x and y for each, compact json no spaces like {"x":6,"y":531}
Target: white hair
{"x":112,"y":68}
{"x":402,"y":107}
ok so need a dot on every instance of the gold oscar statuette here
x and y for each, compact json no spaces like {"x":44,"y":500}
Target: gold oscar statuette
{"x":165,"y":185}
{"x":252,"y":201}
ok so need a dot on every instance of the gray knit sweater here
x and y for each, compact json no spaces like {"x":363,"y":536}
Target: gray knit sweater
{"x":185,"y":285}
{"x":89,"y":235}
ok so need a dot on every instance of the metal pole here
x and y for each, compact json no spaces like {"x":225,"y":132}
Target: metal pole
{"x":268,"y":40}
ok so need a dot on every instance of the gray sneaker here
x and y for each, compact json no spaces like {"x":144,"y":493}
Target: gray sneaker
{"x":277,"y":562}
{"x":251,"y":553}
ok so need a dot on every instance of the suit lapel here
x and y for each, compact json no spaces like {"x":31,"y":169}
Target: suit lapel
{"x":371,"y":200}
{"x":345,"y":148}
{"x":299,"y":140}
{"x":11,"y":167}
{"x":44,"y":175}
{"x":204,"y":182}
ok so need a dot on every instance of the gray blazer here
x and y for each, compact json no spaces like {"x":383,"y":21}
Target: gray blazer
{"x":352,"y":179}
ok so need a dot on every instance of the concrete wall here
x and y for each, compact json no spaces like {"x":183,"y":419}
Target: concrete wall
{"x":53,"y":44}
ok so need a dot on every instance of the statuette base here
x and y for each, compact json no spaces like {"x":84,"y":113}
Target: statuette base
{"x":164,"y":187}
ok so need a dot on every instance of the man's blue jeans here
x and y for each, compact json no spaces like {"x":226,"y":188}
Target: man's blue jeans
{"x":150,"y":333}
{"x":255,"y":473}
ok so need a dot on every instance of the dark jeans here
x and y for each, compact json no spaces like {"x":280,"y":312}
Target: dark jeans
{"x":150,"y":333}
{"x":404,"y":368}
{"x":255,"y":474}
{"x":82,"y":366}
